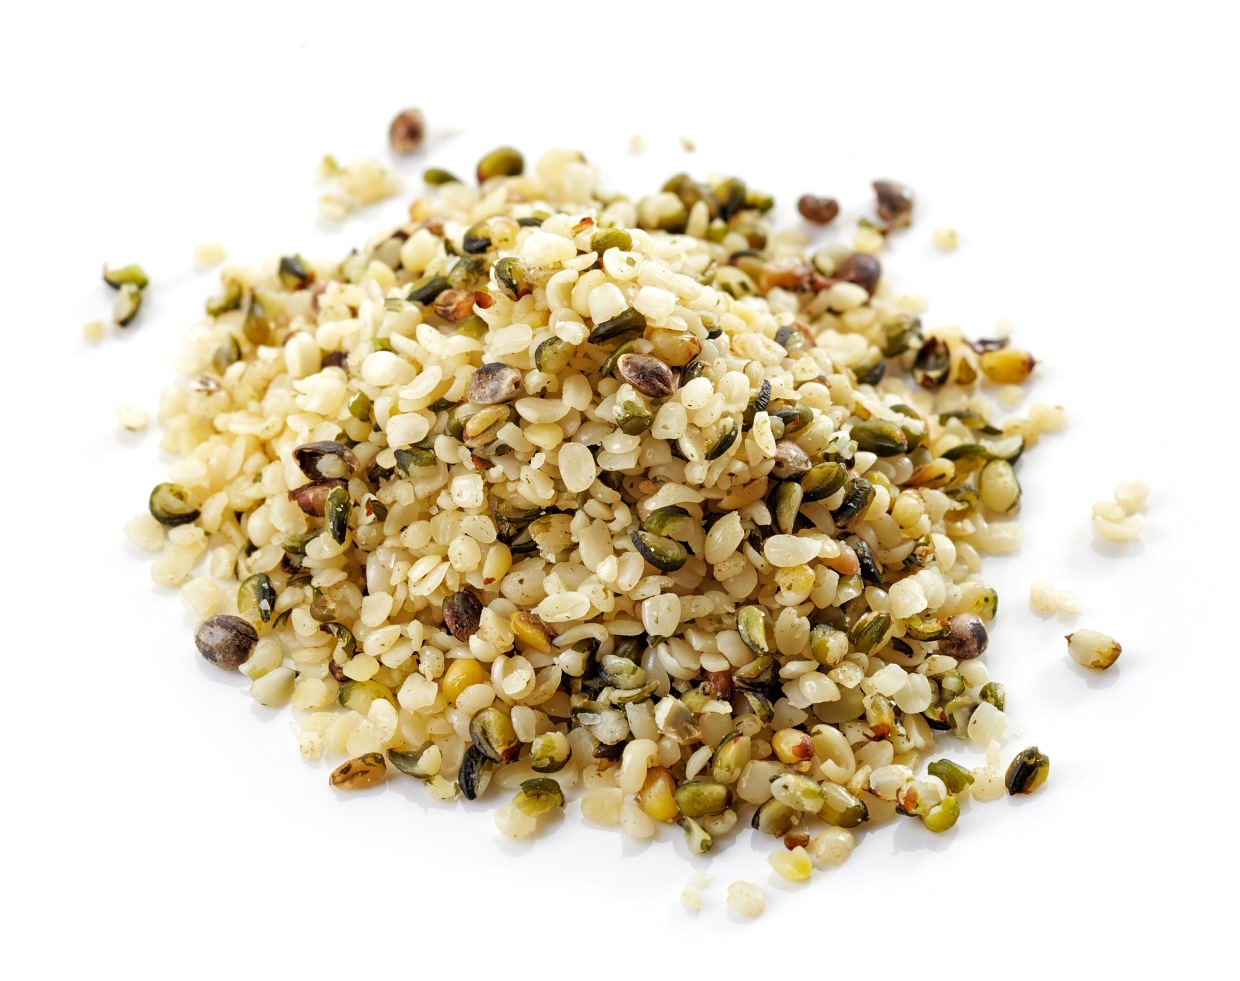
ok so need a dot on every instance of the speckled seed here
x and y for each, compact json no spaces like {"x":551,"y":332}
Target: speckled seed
{"x":1027,"y":772}
{"x":407,"y":130}
{"x":226,"y":641}
{"x":746,"y":899}
{"x":1092,"y":649}
{"x":360,"y":773}
{"x":647,"y":374}
{"x":966,"y":637}
{"x":454,"y":306}
{"x":895,"y":202}
{"x":791,"y":462}
{"x":462,"y":614}
{"x":494,"y":383}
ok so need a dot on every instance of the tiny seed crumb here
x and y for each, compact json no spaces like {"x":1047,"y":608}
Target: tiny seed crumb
{"x":209,"y":255}
{"x":131,"y":417}
{"x":1066,"y":603}
{"x":687,"y":144}
{"x":93,"y":331}
{"x":945,"y":239}
{"x":746,"y":899}
{"x":690,"y":900}
{"x":637,"y":143}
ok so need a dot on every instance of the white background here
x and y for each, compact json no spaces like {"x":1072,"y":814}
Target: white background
{"x":160,"y":825}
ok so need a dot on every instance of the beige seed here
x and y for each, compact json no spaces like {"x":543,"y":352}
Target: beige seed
{"x":746,"y":899}
{"x":1092,"y":649}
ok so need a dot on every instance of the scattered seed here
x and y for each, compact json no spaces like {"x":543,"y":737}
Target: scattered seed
{"x":816,"y":210}
{"x":407,"y":131}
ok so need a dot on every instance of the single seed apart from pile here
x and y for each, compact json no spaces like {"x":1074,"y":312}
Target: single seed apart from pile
{"x":1027,"y":772}
{"x":226,"y":641}
{"x":1092,"y":649}
{"x":360,"y":773}
{"x":816,"y":210}
{"x":407,"y":131}
{"x":746,"y":899}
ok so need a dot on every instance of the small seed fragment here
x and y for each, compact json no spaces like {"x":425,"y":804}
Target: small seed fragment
{"x":125,"y":306}
{"x":132,"y":274}
{"x":954,"y":776}
{"x":493,"y":735}
{"x":549,"y":752}
{"x":226,"y":641}
{"x":325,"y":459}
{"x":256,"y":597}
{"x":337,"y":510}
{"x":1027,"y":772}
{"x":538,"y":796}
{"x":360,"y":773}
{"x":662,"y":553}
{"x":697,"y":839}
{"x":407,"y":130}
{"x":423,"y":762}
{"x":494,"y":383}
{"x":462,"y":614}
{"x":1092,"y":649}
{"x":751,"y":623}
{"x":746,"y":899}
{"x":794,"y":865}
{"x":168,"y":505}
{"x":942,"y":816}
{"x":700,"y":798}
{"x":647,"y":374}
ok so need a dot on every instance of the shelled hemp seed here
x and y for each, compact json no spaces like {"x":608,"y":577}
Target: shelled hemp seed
{"x":565,"y":494}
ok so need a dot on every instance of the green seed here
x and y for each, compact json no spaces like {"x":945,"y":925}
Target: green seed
{"x":701,"y":798}
{"x":786,"y":505}
{"x":1007,"y":367}
{"x":230,"y":299}
{"x":760,"y":673}
{"x":620,"y":672}
{"x":493,"y":735}
{"x":942,"y":816}
{"x":169,"y":506}
{"x":437,"y":177}
{"x":339,"y":506}
{"x":870,"y":630}
{"x":799,"y":792}
{"x":795,"y":418}
{"x":549,"y":752}
{"x":858,"y":496}
{"x":899,"y":333}
{"x":827,"y":645}
{"x":724,"y":442}
{"x":611,"y":238}
{"x":840,"y":808}
{"x":665,"y":554}
{"x":552,"y":355}
{"x":823,"y":480}
{"x":697,"y":839}
{"x":538,"y":796}
{"x":125,"y":306}
{"x":776,"y":818}
{"x":628,"y":321}
{"x":475,"y":773}
{"x":1028,"y":771}
{"x":293,"y":273}
{"x":427,"y":288}
{"x":483,"y":426}
{"x":731,"y":755}
{"x":504,"y":162}
{"x":413,"y":460}
{"x":880,"y":437}
{"x":671,"y":521}
{"x":417,"y":762}
{"x":130,"y":275}
{"x":751,"y":623}
{"x":954,"y":776}
{"x":346,"y":643}
{"x":759,"y":704}
{"x":360,"y":695}
{"x":995,"y":694}
{"x":361,"y":406}
{"x":477,"y":238}
{"x":920,"y":629}
{"x":256,"y":326}
{"x":256,"y":597}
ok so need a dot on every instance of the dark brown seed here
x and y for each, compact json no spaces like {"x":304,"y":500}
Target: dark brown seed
{"x":647,"y":374}
{"x":862,"y":269}
{"x":462,"y":613}
{"x":718,"y":684}
{"x":895,"y":203}
{"x":800,"y":840}
{"x":312,"y":497}
{"x":226,"y":641}
{"x":966,"y":637}
{"x":494,"y":383}
{"x":336,"y":359}
{"x":791,"y":462}
{"x":454,"y":305}
{"x":407,"y":131}
{"x":818,"y":211}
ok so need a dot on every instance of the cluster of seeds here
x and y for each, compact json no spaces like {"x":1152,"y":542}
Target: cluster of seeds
{"x":627,"y":499}
{"x":1120,"y":519}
